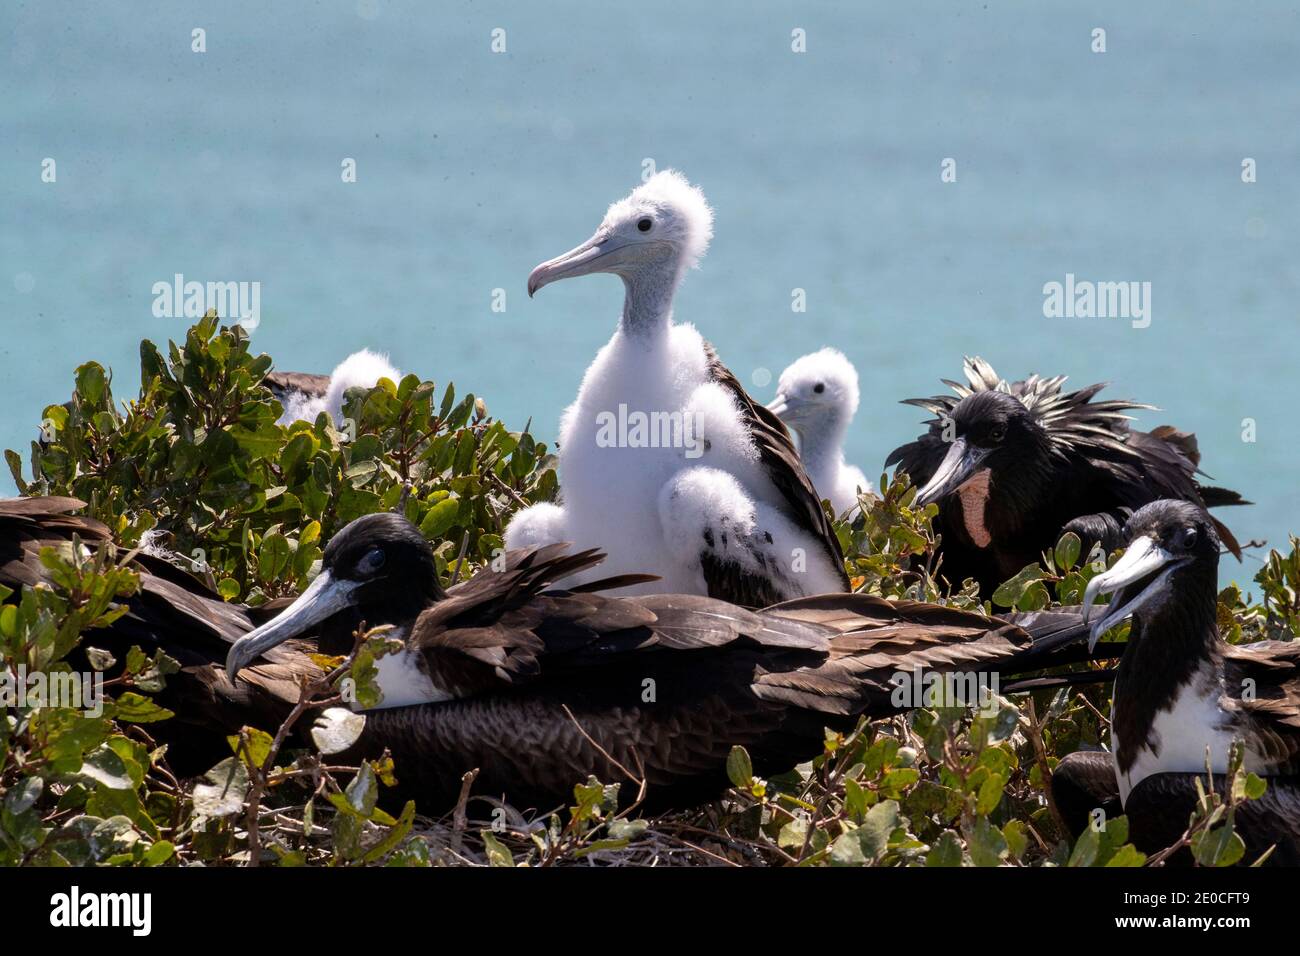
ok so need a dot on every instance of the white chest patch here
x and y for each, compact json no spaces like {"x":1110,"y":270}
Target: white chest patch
{"x":403,"y":683}
{"x":1182,"y":733}
{"x":973,"y":494}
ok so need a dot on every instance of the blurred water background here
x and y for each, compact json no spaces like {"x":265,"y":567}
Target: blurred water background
{"x":823,"y":168}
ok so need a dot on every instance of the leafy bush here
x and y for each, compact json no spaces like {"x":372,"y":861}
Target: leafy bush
{"x":198,"y":463}
{"x":196,"y":469}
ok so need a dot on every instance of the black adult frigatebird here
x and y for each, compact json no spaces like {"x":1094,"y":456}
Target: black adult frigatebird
{"x":1015,"y":465}
{"x":538,"y":686}
{"x":1182,"y":695}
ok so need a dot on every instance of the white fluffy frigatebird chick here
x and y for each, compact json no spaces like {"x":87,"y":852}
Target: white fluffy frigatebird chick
{"x":1183,"y":695}
{"x":665,"y":462}
{"x":816,"y":397}
{"x":304,"y":396}
{"x":1015,"y":465}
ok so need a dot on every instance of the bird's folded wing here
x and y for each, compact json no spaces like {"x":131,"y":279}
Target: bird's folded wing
{"x":1263,"y":680}
{"x":558,"y":634}
{"x":878,"y":640}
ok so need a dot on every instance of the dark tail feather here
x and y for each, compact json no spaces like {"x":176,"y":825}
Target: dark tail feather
{"x":1057,"y":641}
{"x":612,"y":583}
{"x":1071,"y":679}
{"x":1227,"y":537}
{"x":1221,"y":497}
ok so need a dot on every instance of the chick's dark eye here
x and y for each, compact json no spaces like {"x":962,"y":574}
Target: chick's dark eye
{"x":998,"y":433}
{"x":819,"y":387}
{"x":372,"y":562}
{"x":1189,"y":538}
{"x":645,"y":224}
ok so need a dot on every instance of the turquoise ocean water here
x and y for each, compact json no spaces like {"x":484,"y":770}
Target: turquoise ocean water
{"x":823,"y":168}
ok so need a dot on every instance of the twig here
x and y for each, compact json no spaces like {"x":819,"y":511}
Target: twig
{"x":459,"y":819}
{"x":506,"y":488}
{"x":261,"y":774}
{"x":605,"y":753}
{"x":460,"y":559}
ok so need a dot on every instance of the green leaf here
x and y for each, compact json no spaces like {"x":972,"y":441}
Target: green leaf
{"x":990,"y":793}
{"x":1011,"y":591}
{"x":1016,"y":835}
{"x":988,"y":847}
{"x":880,"y":822}
{"x":107,"y":768}
{"x":740,"y":769}
{"x":1218,"y":847}
{"x":497,"y":853}
{"x":440,"y":517}
{"x":627,"y":829}
{"x":396,"y":833}
{"x":363,"y":790}
{"x":1254,"y":786}
{"x":223,"y":789}
{"x":159,"y":853}
{"x":90,"y":383}
{"x":138,"y":709}
{"x":1127,"y":855}
{"x":23,"y":795}
{"x":272,"y":556}
{"x":945,"y":851}
{"x":1067,"y":551}
{"x":259,"y":744}
{"x":100,"y":660}
{"x":1086,"y":847}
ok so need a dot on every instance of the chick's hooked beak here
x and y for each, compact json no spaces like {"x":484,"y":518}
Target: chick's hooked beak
{"x":600,"y":253}
{"x":789,"y":408}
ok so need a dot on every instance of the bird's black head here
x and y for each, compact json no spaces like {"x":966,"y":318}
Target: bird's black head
{"x":1170,"y":564}
{"x":988,"y":430}
{"x":1180,"y":527}
{"x":387,"y":560}
{"x":378,"y":569}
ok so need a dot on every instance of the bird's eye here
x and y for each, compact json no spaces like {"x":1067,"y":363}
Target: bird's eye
{"x":372,"y":562}
{"x":645,"y":224}
{"x":1189,"y":538}
{"x":819,"y":387}
{"x":998,"y":433}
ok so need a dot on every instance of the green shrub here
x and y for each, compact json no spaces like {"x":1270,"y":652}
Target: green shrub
{"x":196,"y":467}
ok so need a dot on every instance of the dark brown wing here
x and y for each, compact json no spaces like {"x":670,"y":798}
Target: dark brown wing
{"x":29,"y":524}
{"x":1264,"y":678}
{"x":666,"y":701}
{"x":729,"y":581}
{"x":172,"y":612}
{"x":781,"y":461}
{"x":507,"y":628}
{"x":879,"y":639}
{"x":282,"y":384}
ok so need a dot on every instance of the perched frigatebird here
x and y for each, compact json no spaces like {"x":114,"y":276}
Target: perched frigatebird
{"x":534,"y":685}
{"x":1013,"y":466}
{"x":1182,"y":696}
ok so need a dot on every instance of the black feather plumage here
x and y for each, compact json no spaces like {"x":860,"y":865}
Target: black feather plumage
{"x":1066,"y":461}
